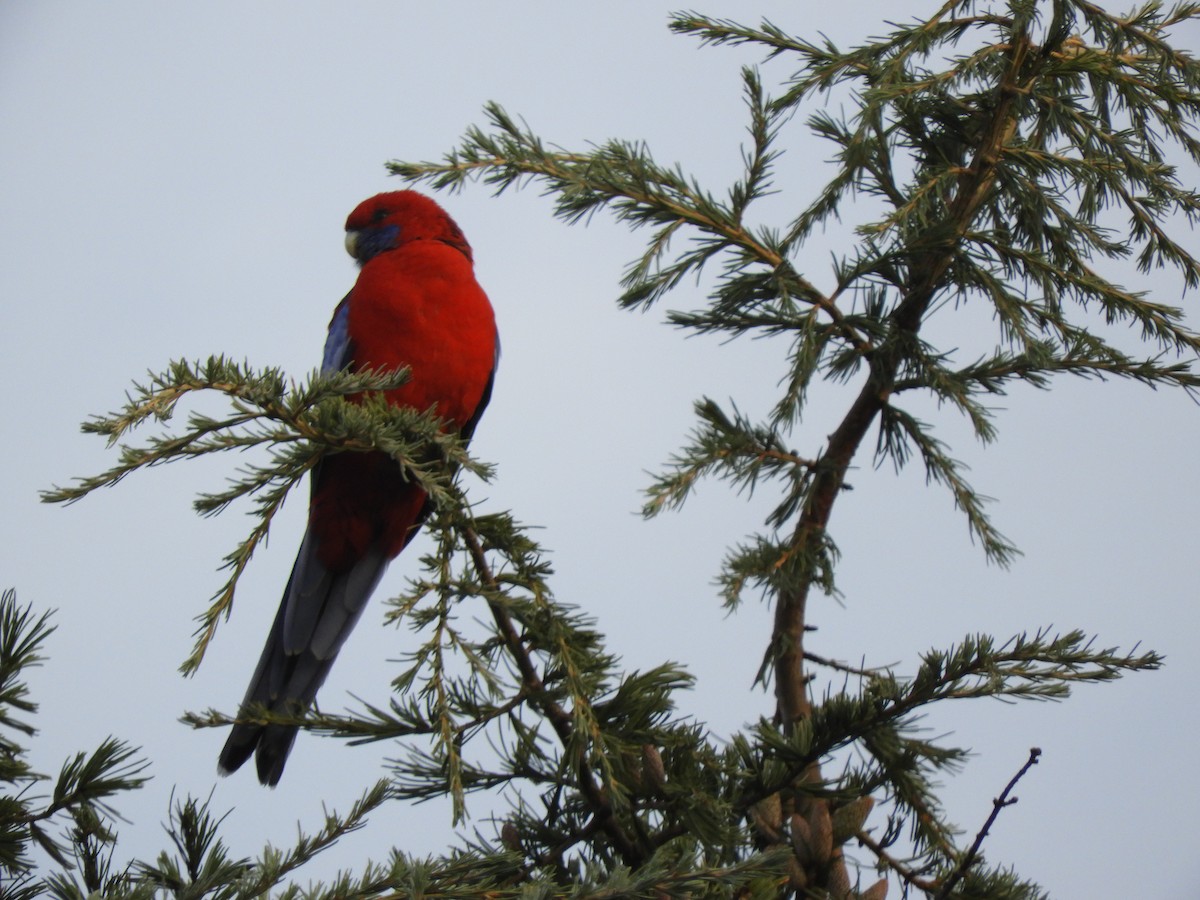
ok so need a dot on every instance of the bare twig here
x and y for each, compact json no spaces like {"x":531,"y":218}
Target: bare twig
{"x":840,"y":666}
{"x":998,"y":804}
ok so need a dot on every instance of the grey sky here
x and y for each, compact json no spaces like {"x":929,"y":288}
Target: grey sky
{"x":175,"y":182}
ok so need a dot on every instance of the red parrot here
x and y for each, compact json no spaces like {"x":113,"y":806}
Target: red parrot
{"x":416,"y":303}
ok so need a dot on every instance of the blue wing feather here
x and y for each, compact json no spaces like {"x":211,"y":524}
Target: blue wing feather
{"x":338,"y":350}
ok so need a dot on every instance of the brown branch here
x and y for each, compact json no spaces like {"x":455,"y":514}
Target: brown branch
{"x":927,"y":271}
{"x":603,"y":815}
{"x":974,"y":183}
{"x":907,"y":873}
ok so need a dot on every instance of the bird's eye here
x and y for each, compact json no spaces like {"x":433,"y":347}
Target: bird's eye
{"x":379,"y":215}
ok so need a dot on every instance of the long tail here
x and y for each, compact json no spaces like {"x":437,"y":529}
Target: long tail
{"x":318,"y":611}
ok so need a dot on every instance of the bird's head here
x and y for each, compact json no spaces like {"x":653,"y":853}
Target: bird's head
{"x":386,"y":221}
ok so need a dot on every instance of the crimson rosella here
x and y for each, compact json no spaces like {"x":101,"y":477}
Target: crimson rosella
{"x":416,"y":303}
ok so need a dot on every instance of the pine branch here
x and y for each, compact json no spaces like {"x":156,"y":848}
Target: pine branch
{"x":897,"y":432}
{"x":567,"y":725}
{"x":623,"y":177}
{"x":273,"y":866}
{"x":201,"y":864}
{"x":21,"y":640}
{"x":295,"y":423}
{"x":79,"y":805}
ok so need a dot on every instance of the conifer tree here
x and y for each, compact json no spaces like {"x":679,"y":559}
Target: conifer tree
{"x":1010,"y":151}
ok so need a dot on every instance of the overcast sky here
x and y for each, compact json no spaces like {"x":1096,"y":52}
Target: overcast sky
{"x":175,"y":181}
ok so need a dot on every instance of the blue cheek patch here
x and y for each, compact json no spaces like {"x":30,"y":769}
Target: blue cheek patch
{"x":374,"y":240}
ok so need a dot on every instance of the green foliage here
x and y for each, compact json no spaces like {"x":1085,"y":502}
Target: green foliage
{"x":295,"y":422}
{"x":66,"y":819}
{"x":1007,"y":154}
{"x":58,"y":835}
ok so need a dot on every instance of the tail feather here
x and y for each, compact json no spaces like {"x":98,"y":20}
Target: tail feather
{"x":344,"y":604}
{"x":319,"y":610}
